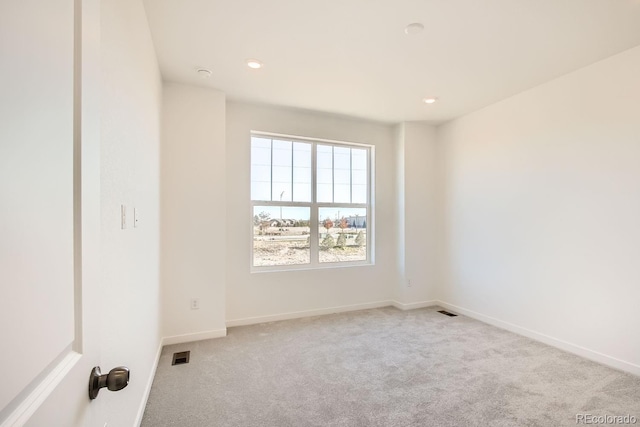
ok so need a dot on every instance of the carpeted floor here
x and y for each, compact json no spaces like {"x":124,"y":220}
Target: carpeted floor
{"x":382,"y":367}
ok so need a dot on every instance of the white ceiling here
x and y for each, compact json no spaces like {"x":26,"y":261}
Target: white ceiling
{"x":352,"y":57}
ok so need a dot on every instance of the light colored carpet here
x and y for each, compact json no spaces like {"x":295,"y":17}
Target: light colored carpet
{"x":382,"y":367}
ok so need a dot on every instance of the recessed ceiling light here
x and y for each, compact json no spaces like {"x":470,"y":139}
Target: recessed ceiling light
{"x":254,"y":63}
{"x":414,"y":28}
{"x":430,"y":100}
{"x":204,"y":73}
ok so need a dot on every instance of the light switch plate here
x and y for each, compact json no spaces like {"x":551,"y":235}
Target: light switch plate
{"x":136,"y":217}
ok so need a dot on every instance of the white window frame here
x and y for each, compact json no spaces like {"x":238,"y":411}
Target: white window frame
{"x":314,"y":207}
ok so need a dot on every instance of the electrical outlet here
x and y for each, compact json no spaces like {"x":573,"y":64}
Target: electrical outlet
{"x":409,"y":283}
{"x":195,"y":304}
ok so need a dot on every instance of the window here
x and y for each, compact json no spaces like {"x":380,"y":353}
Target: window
{"x":310,"y":201}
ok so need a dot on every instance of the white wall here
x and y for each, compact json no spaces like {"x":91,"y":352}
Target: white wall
{"x":194,"y":226}
{"x":417,"y":198}
{"x":542,"y":200}
{"x":130,"y":114}
{"x":265,"y":294}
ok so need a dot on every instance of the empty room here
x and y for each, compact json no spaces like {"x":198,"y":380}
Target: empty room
{"x":339,"y":213}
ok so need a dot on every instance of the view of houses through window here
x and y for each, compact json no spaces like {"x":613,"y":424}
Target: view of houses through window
{"x":310,"y":202}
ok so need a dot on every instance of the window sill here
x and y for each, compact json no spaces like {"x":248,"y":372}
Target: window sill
{"x":307,"y":267}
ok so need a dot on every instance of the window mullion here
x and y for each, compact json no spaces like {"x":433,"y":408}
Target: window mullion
{"x":351,"y":175}
{"x":313,"y":215}
{"x":271,"y":170}
{"x":333,"y":176}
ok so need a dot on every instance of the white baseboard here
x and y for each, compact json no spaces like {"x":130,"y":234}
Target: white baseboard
{"x":307,"y":313}
{"x":198,"y":336}
{"x":414,"y":305}
{"x":554,"y":342}
{"x":147,"y":389}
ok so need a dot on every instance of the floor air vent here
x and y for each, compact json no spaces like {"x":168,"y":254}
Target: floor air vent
{"x":180,"y":358}
{"x":447,"y":313}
